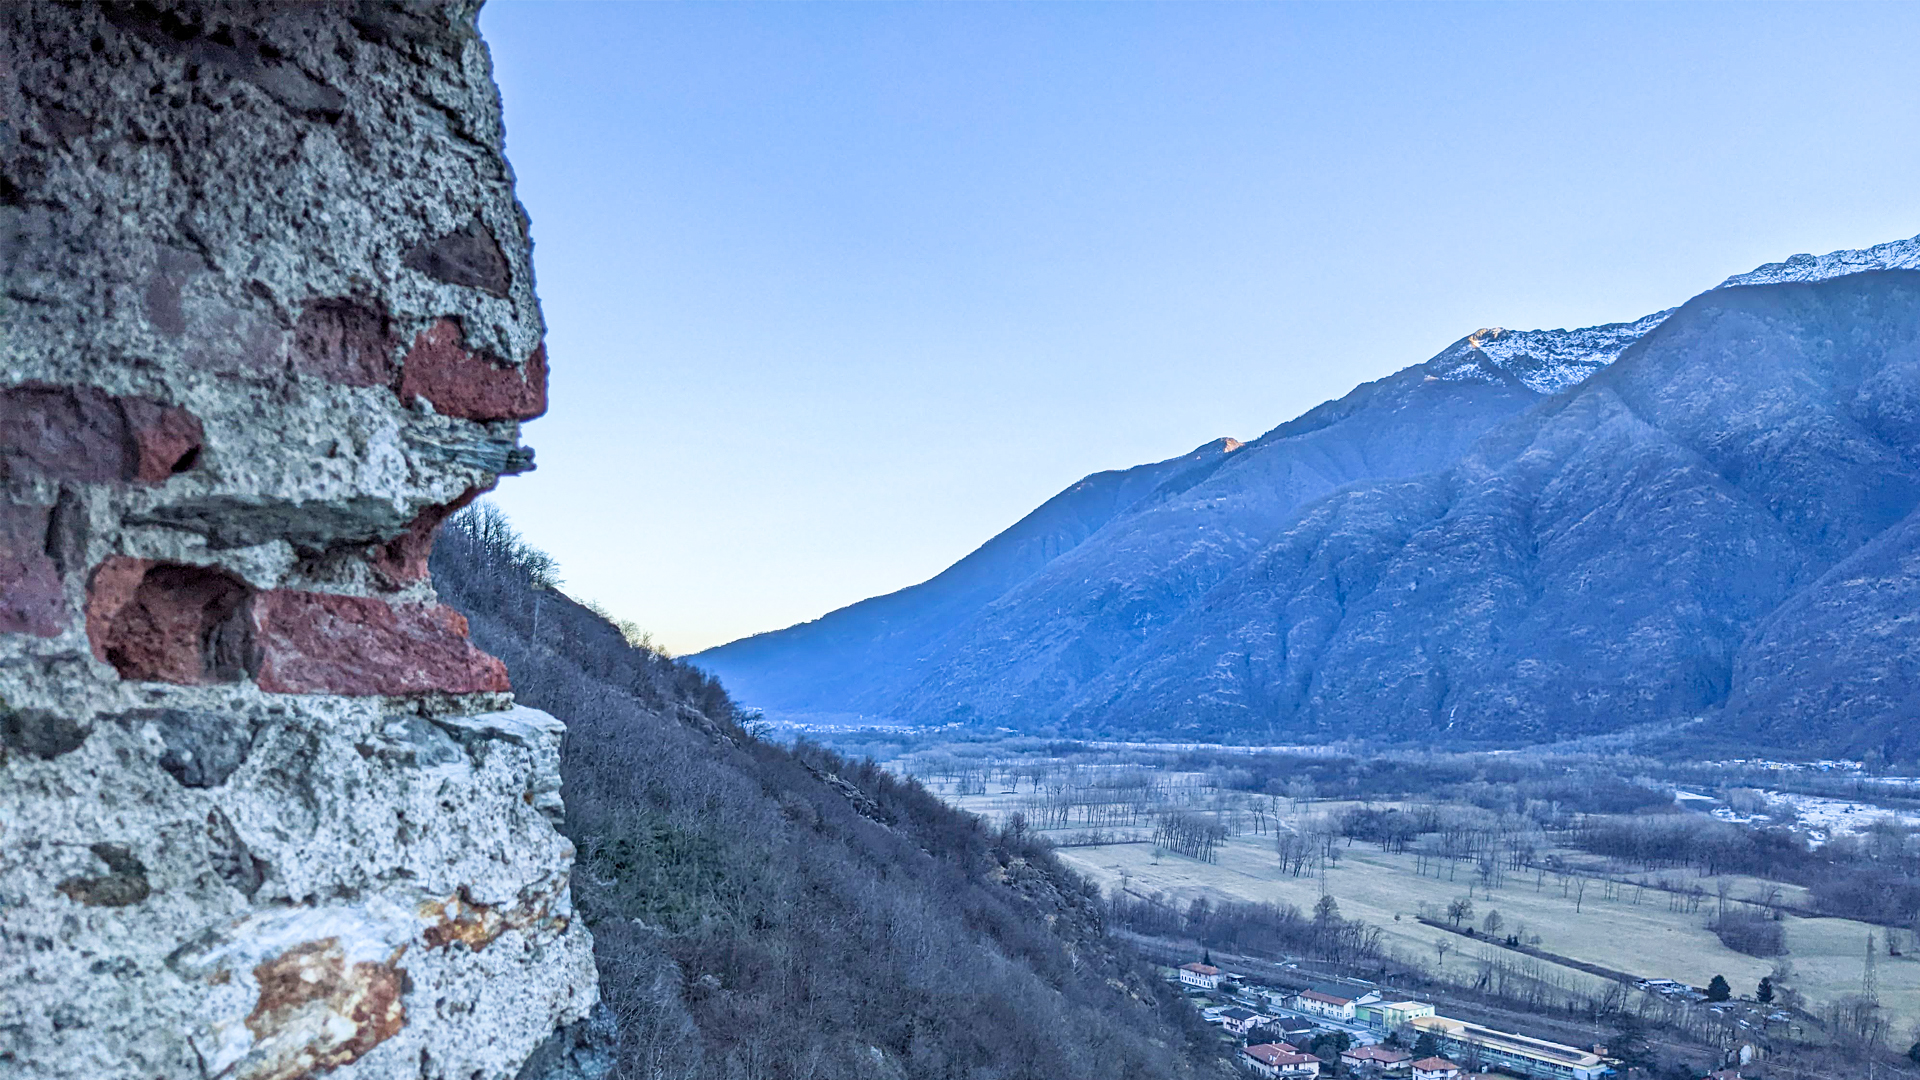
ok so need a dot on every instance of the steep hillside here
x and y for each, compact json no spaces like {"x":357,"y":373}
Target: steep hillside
{"x":1495,"y":543}
{"x":1149,"y":536}
{"x":876,"y":643}
{"x":1046,"y":639}
{"x":759,"y":911}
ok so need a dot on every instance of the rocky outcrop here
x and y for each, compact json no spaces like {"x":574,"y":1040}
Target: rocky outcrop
{"x":268,"y":319}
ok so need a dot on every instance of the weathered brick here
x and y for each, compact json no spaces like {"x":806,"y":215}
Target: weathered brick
{"x":403,"y":559}
{"x":472,"y":385}
{"x":344,"y":341}
{"x":31,"y":599}
{"x":86,"y":434}
{"x":323,"y":643}
{"x":164,"y":439}
{"x":167,"y":622}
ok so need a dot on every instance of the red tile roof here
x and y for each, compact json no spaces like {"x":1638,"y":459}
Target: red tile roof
{"x":1435,"y":1064}
{"x":1315,"y":995}
{"x":1277,"y":1055}
{"x":1200,"y":969}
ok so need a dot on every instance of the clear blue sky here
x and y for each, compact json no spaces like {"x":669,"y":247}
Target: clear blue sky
{"x":837,"y":292}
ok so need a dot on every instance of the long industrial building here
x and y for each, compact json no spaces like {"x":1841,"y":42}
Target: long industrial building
{"x":1490,"y":1049}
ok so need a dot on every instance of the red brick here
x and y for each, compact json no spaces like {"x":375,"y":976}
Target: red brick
{"x":322,"y":643}
{"x":344,"y":341}
{"x":166,"y":440}
{"x":472,"y":385}
{"x":168,"y":622}
{"x":86,"y":434}
{"x":403,"y":559}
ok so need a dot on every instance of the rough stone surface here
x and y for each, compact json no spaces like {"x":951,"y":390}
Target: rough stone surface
{"x":266,"y":320}
{"x":324,"y":643}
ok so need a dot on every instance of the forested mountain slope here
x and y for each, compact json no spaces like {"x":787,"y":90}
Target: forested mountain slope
{"x":1519,"y":540}
{"x":1708,"y":516}
{"x":759,"y":911}
{"x":1043,"y":642}
{"x":1149,"y":536}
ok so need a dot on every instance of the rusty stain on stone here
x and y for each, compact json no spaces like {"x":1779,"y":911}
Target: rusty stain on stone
{"x":316,"y":1013}
{"x":461,"y":918}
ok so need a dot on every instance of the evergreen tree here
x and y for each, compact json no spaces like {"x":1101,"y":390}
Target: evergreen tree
{"x":1326,"y":910}
{"x":1426,"y":1046}
{"x":1718,"y":990}
{"x":1764,"y":994}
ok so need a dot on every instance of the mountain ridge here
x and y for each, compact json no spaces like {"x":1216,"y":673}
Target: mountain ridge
{"x":1095,"y":615}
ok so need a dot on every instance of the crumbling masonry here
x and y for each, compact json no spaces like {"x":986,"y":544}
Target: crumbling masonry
{"x":268,"y":319}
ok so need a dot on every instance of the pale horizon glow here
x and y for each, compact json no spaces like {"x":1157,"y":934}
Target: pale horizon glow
{"x":836,"y":292}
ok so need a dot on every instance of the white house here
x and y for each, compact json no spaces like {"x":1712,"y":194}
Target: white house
{"x":1331,"y":1006}
{"x":1278,"y":1060}
{"x":1508,"y":1052}
{"x":1435,"y":1068}
{"x":1241,"y":1021}
{"x":1204,"y":976}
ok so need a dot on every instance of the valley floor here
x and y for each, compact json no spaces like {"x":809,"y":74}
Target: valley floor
{"x":1615,"y":922}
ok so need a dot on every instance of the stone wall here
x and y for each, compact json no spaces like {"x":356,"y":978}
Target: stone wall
{"x":268,"y":319}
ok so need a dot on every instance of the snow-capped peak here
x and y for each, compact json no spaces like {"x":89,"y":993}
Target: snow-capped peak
{"x":1895,"y":255}
{"x":1544,"y":361}
{"x":1549,"y":361}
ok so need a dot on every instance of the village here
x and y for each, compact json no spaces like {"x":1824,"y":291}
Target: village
{"x":1341,"y":1029}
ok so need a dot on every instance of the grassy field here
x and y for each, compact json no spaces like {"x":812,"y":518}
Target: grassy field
{"x":1645,"y":938}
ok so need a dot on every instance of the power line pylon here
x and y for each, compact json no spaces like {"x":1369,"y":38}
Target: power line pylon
{"x":1869,"y":977}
